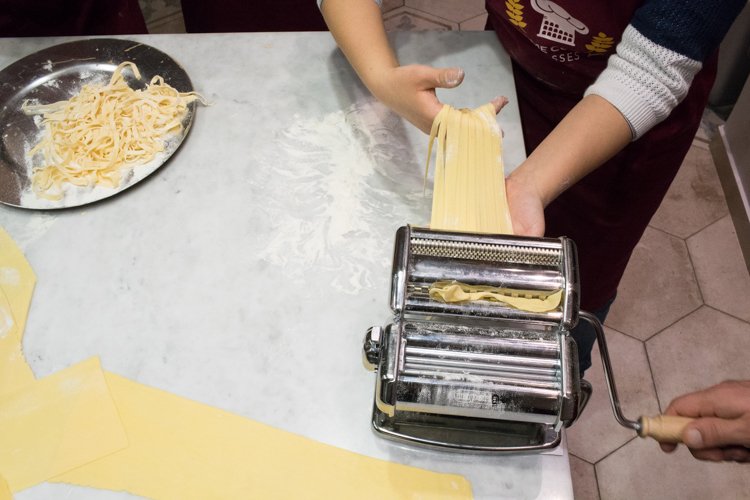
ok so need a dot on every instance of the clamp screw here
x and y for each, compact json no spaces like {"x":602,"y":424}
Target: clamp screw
{"x":371,"y":348}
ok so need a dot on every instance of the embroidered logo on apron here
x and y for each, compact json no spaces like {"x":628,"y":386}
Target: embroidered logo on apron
{"x":557,"y":24}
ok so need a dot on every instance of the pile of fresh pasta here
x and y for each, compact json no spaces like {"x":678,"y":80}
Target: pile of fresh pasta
{"x":103,"y":132}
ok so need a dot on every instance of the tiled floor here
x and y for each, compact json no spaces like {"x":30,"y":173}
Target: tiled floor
{"x":681,"y":321}
{"x":163,"y":16}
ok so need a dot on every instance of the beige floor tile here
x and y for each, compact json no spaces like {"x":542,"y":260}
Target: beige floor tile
{"x":702,"y":349}
{"x":389,"y":5}
{"x":641,"y":471}
{"x":700,"y":143}
{"x":584,"y":479}
{"x":720,"y":268}
{"x":449,"y":9}
{"x":173,"y":23}
{"x":474,"y":24}
{"x":658,"y":287}
{"x":406,"y":19}
{"x":695,"y":198}
{"x":597,"y":434}
{"x":156,"y":10}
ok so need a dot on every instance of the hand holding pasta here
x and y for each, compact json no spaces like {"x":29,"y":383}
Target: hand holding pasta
{"x":105,"y":131}
{"x":410,"y":91}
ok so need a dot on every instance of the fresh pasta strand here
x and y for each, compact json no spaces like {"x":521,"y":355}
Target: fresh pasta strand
{"x":469,"y":182}
{"x":104,"y":131}
{"x":533,"y":301}
{"x":469,"y":196}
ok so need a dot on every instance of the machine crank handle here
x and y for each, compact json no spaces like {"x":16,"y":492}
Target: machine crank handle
{"x":663,"y":428}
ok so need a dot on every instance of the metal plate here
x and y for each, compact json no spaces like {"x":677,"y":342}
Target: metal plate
{"x":58,"y":73}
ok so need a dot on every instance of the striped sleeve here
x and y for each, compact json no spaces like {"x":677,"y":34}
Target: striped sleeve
{"x":659,"y":54}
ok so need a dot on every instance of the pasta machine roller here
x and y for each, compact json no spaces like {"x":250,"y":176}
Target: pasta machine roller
{"x":477,"y":375}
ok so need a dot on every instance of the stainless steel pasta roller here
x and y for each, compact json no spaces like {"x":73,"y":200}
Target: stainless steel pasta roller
{"x":480,"y":375}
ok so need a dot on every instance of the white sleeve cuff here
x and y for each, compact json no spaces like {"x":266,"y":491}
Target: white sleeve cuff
{"x":644,"y":81}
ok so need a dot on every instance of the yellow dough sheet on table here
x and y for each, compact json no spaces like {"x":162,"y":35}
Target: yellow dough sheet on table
{"x":17,"y":282}
{"x":5,"y":493}
{"x":453,"y":291}
{"x":181,"y":449}
{"x":15,"y":372}
{"x":17,"y":279}
{"x":56,"y":424}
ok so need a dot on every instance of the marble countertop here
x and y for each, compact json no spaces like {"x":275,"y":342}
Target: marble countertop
{"x":245,"y":272}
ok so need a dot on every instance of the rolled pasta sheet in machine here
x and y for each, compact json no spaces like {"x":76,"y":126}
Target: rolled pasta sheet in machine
{"x":478,"y":375}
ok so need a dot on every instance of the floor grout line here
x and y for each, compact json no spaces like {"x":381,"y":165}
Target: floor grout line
{"x":727,"y":314}
{"x":626,"y":334}
{"x":615,"y":450}
{"x":596,"y":481}
{"x":695,"y":275}
{"x":653,"y":379}
{"x":676,"y":321}
{"x":157,"y":20}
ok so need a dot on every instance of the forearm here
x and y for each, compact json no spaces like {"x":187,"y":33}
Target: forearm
{"x":653,"y":67}
{"x":357,"y":27}
{"x":591,"y":133}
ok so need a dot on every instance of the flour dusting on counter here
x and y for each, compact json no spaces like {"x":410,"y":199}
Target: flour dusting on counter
{"x":344,"y":174}
{"x":27,"y":230}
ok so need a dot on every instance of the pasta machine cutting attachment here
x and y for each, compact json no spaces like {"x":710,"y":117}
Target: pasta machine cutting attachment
{"x":478,"y":375}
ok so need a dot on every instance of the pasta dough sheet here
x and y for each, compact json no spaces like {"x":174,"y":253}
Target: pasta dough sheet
{"x":56,"y":424}
{"x":70,"y":426}
{"x":5,"y":493}
{"x":453,"y":291}
{"x":15,"y":373}
{"x":469,"y":182}
{"x":17,"y":279}
{"x":16,"y":287}
{"x":181,"y":449}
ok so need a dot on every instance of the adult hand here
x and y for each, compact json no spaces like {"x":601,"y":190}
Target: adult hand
{"x":721,"y":430}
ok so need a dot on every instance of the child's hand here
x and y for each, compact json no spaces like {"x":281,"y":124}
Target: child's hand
{"x":526,"y":206}
{"x":410,"y":91}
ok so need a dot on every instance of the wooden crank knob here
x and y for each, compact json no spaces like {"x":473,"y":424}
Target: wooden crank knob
{"x":663,"y":428}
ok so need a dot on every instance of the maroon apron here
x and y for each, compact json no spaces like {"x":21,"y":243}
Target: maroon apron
{"x":70,"y":17}
{"x":558,"y":50}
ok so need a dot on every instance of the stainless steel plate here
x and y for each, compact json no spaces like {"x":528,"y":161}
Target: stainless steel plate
{"x":58,"y":73}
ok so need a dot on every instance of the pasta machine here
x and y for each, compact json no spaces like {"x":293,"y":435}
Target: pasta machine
{"x":481,"y":375}
{"x":477,"y":375}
